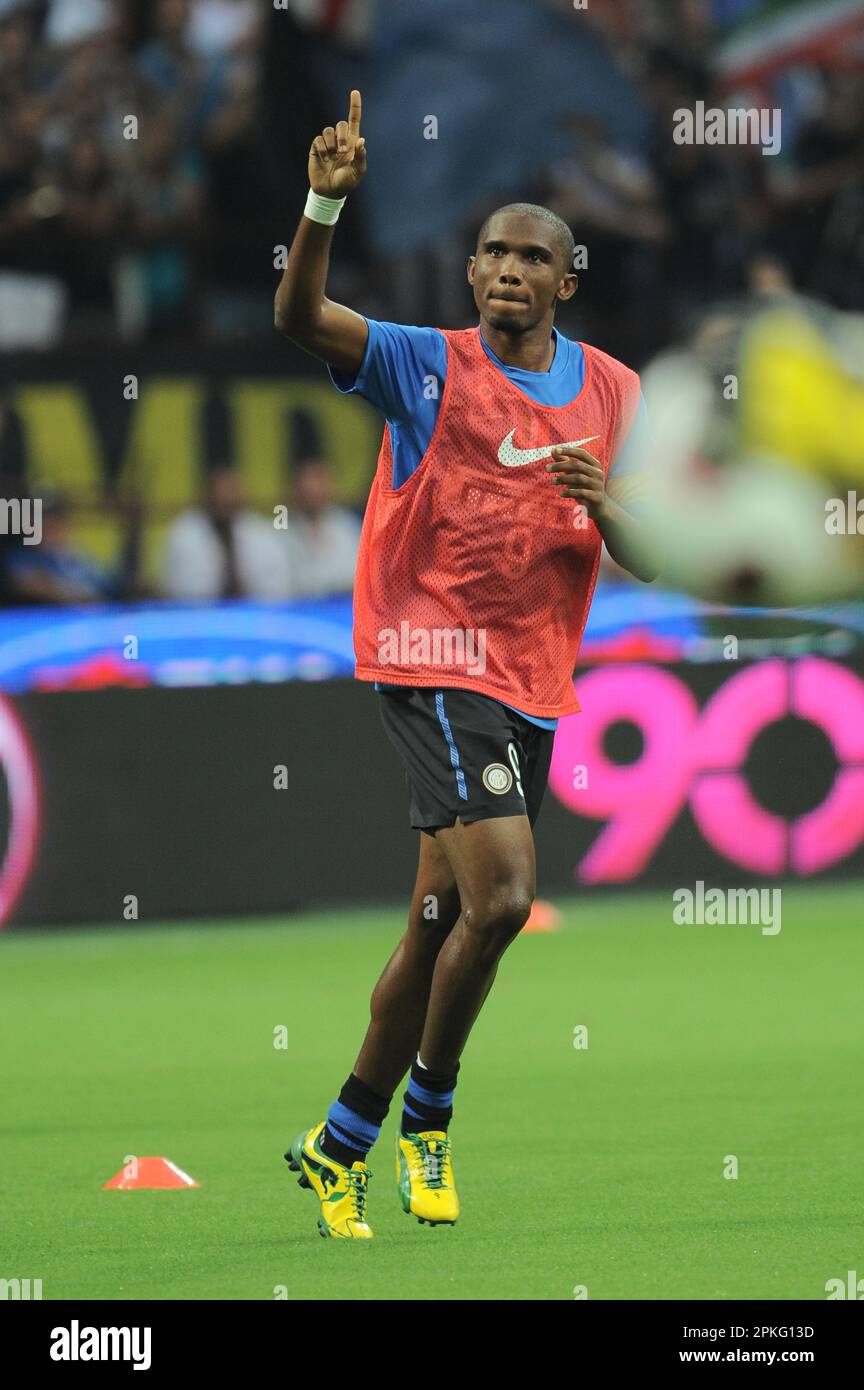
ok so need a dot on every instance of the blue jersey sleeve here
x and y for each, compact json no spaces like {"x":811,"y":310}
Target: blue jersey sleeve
{"x":402,"y":375}
{"x":403,"y":368}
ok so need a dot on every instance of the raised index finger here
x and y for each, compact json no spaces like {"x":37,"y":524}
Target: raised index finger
{"x":354,"y":110}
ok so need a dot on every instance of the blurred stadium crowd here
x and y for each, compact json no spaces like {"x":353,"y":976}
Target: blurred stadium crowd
{"x":174,"y":229}
{"x":221,"y":548}
{"x":163,"y":228}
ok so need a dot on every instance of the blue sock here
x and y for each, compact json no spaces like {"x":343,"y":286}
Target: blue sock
{"x":428,"y":1101}
{"x":353,"y":1122}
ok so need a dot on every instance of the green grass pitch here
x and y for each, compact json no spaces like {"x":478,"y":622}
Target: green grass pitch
{"x":601,"y":1167}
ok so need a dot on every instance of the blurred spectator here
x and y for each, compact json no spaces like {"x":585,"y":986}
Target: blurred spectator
{"x":19,"y":214}
{"x":236,"y":247}
{"x":17,"y":56}
{"x":223,"y":549}
{"x":70,"y":21}
{"x":194,"y":82}
{"x":349,"y":21}
{"x":165,"y":207}
{"x":218,"y":27}
{"x":54,"y":571}
{"x":88,"y":213}
{"x":613,"y":200}
{"x":322,"y":537}
{"x":820,"y":196}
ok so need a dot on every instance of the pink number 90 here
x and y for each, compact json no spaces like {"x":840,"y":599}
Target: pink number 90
{"x":703,"y":756}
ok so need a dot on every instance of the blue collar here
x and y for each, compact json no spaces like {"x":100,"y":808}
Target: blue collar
{"x":555,"y":368}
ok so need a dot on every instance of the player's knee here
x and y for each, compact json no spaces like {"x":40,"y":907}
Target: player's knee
{"x":435,"y":913}
{"x":499,"y":916}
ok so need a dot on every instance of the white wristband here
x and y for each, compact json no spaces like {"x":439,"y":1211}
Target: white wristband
{"x":326,"y":210}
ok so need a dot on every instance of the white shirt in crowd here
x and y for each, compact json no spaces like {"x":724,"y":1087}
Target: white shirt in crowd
{"x":195,"y":565}
{"x":323,"y":553}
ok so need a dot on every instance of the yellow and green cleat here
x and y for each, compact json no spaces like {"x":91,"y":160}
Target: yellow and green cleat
{"x":424,"y":1171}
{"x":342,"y":1191}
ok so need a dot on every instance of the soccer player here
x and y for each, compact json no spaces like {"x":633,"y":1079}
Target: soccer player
{"x":478,"y":558}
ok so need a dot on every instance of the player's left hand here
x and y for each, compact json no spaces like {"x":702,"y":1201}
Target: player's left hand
{"x":579,"y":474}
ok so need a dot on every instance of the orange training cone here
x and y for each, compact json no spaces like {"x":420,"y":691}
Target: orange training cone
{"x":149,"y":1172}
{"x":543,"y":917}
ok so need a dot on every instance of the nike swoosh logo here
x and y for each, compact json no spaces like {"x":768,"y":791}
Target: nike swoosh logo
{"x":511,"y":457}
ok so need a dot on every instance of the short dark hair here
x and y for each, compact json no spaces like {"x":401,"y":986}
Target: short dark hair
{"x":563,"y":235}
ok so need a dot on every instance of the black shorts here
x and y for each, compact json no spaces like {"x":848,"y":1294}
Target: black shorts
{"x":465,"y":755}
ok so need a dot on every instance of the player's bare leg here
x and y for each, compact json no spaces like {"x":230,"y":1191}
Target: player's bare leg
{"x":494,"y":867}
{"x":326,"y":1156}
{"x":401,"y":996}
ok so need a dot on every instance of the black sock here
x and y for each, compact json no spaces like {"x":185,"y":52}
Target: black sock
{"x":428,"y":1101}
{"x":353,"y":1122}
